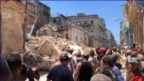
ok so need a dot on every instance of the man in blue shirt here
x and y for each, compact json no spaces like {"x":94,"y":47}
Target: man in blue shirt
{"x":61,"y":72}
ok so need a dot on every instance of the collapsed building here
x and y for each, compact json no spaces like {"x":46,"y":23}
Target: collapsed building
{"x":51,"y":39}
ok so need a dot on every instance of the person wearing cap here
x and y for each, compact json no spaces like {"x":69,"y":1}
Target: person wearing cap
{"x":57,"y":61}
{"x":115,"y":58}
{"x":102,"y":52}
{"x":134,"y":72}
{"x":61,"y":72}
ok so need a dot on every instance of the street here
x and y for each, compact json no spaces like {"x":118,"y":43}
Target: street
{"x":44,"y":32}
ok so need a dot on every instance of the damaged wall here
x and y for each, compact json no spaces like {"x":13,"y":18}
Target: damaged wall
{"x":30,"y":20}
{"x":13,"y":14}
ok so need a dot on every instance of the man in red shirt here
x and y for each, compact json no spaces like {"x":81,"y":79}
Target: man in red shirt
{"x":134,"y":73}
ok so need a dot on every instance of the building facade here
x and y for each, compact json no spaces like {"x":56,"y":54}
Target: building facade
{"x":134,"y":15}
{"x":41,"y":10}
{"x":70,"y":31}
{"x":110,"y":39}
{"x":77,"y":34}
{"x":94,"y":25}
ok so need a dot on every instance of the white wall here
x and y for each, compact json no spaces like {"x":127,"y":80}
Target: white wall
{"x":77,"y":35}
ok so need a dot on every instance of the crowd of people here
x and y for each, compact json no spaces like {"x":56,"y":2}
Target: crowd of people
{"x":18,"y":67}
{"x":100,"y":64}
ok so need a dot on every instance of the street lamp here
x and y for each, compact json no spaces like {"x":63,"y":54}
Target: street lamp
{"x":116,"y":19}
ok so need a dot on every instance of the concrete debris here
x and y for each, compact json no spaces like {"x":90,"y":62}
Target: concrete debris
{"x":54,"y":45}
{"x":48,"y":29}
{"x":49,"y":47}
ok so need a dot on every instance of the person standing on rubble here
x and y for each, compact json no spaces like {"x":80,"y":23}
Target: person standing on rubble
{"x":61,"y":72}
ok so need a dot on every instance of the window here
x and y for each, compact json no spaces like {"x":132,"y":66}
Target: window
{"x":79,"y":23}
{"x":81,"y":39}
{"x":92,"y":31}
{"x":91,"y":22}
{"x":85,"y":22}
{"x":66,"y":35}
{"x":54,"y":20}
{"x":76,"y":38}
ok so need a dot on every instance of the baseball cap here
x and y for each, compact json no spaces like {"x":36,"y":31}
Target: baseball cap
{"x":70,"y":50}
{"x":64,"y":57}
{"x":115,"y":56}
{"x":133,"y":60}
{"x":102,"y":49}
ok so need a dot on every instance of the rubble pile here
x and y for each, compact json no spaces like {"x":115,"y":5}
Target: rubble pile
{"x":56,"y":44}
{"x":48,"y":29}
{"x":49,"y":47}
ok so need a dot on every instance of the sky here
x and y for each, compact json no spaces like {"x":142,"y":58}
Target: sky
{"x":108,"y":10}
